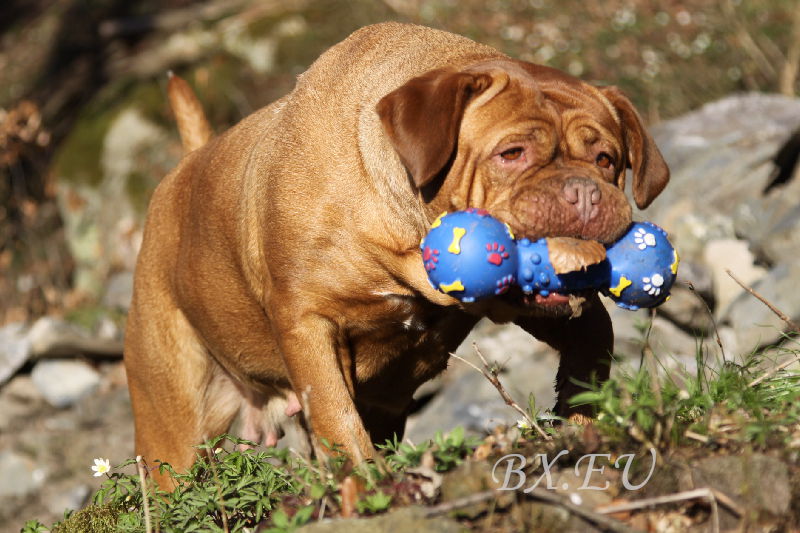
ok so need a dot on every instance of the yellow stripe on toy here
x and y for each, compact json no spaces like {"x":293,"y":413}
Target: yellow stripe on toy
{"x":455,"y":246}
{"x":623,"y":284}
{"x":438,"y":221}
{"x":450,"y":287}
{"x":674,"y":266}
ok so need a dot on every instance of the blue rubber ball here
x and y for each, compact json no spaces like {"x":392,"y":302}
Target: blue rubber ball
{"x":643,"y":267}
{"x":470,"y":255}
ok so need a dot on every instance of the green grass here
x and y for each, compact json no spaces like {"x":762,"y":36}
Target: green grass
{"x":229,"y":490}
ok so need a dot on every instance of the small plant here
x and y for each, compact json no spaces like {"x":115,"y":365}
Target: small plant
{"x":33,"y":526}
{"x":449,"y":450}
{"x":374,"y":503}
{"x":283,"y":523}
{"x":630,"y":404}
{"x":223,"y":491}
{"x":402,"y":455}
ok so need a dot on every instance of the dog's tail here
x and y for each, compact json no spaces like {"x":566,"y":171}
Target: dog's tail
{"x":193,"y":126}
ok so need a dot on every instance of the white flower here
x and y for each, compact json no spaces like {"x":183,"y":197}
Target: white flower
{"x":683,"y":394}
{"x":523,"y":424}
{"x":101,"y":466}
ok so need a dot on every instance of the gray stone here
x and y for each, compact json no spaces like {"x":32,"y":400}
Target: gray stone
{"x":730,"y":254}
{"x":102,"y":221}
{"x":692,"y":298}
{"x":19,"y":476}
{"x":53,"y":337}
{"x":758,"y":482}
{"x":675,"y":350}
{"x":19,"y":400}
{"x":721,"y":161}
{"x":754,"y":323}
{"x":15,"y":349}
{"x":71,"y":498}
{"x":63,"y":383}
{"x":688,"y":310}
{"x":470,"y":400}
{"x":769,"y":221}
{"x":406,"y":520}
{"x":119,"y":290}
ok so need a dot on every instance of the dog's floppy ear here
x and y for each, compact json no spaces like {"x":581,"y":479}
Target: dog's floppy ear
{"x":650,"y":171}
{"x":422,"y":118}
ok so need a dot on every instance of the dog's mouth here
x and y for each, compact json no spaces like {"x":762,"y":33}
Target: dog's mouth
{"x":554,"y":303}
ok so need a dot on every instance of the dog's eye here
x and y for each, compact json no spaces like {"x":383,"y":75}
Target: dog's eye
{"x":604,"y":160}
{"x":512,"y":154}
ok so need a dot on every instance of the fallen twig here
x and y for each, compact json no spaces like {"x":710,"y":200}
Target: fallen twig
{"x":780,"y":314}
{"x":599,"y":519}
{"x":696,"y":436}
{"x":712,"y":496}
{"x":769,"y":373}
{"x":771,"y":307}
{"x":491,"y":374}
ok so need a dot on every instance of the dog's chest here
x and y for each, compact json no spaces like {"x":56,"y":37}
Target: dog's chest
{"x":404,"y":340}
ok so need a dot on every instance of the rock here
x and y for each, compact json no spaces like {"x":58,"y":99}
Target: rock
{"x":691,"y":308}
{"x":15,"y":349}
{"x":469,"y":400}
{"x":755,"y":325}
{"x":757,"y":482}
{"x":53,"y":337}
{"x":734,"y":255}
{"x":19,"y":400}
{"x":538,"y":516}
{"x":18,"y":476}
{"x":63,"y":383}
{"x":103,"y":213}
{"x":668,"y":342}
{"x":406,"y":520}
{"x":119,"y":290}
{"x":722,"y":156}
{"x":470,"y":478}
{"x":71,"y":498}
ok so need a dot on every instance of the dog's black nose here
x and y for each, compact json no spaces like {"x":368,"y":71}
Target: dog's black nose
{"x":584,"y":194}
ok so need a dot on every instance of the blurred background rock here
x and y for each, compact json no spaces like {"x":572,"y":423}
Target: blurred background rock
{"x":86,"y":134}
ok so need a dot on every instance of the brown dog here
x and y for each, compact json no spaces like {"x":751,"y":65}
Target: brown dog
{"x":282,"y":257}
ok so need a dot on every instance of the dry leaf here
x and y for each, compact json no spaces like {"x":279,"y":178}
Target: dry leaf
{"x":570,"y":255}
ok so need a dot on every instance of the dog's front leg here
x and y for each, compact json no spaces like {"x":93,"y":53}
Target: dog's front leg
{"x":309,"y":350}
{"x":586,"y":344}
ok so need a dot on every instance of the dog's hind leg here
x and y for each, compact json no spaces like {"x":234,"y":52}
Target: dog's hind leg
{"x":179,"y":394}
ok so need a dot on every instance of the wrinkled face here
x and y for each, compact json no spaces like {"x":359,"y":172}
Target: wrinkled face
{"x":537,"y":148}
{"x":547,"y":160}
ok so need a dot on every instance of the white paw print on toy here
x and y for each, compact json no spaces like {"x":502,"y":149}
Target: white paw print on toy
{"x":652,"y":284}
{"x":644,"y":239}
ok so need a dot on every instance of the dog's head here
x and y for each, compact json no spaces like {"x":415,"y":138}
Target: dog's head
{"x":539,"y":149}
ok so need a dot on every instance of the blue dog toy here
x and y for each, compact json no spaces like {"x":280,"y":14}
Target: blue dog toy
{"x":471,"y":255}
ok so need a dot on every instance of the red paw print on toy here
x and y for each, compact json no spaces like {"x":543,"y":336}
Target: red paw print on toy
{"x":504,"y":283}
{"x":478,"y":211}
{"x":429,"y":257}
{"x":497,"y":253}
